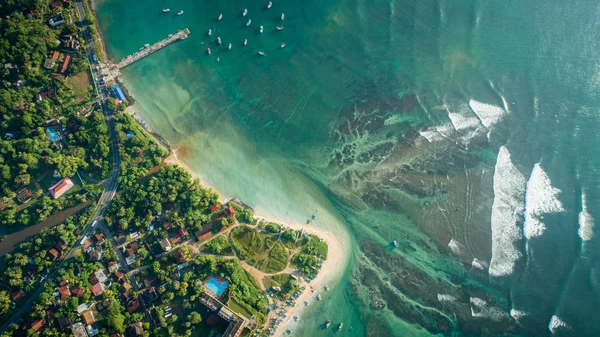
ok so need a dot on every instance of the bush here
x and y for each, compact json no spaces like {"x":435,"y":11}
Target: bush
{"x":273,"y":227}
{"x":218,"y":246}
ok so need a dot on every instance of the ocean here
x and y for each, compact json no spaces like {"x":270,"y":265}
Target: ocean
{"x":467,"y":131}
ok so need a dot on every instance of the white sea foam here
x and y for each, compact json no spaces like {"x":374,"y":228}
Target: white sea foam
{"x":463,"y":122}
{"x":477,"y":263}
{"x":488,"y":114}
{"x":555,"y":323}
{"x":455,"y":246}
{"x":541,"y":198}
{"x":431,"y":135}
{"x":517,"y":314}
{"x":480,"y":308}
{"x":507,"y":212}
{"x":586,"y":221}
{"x":446,"y":298}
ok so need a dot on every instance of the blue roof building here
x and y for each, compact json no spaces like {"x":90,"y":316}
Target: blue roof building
{"x":52,"y":134}
{"x":119,"y":93}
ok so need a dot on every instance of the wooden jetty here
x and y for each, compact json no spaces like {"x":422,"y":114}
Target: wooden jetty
{"x":180,"y":35}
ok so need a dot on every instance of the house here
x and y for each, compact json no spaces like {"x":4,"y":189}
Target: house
{"x":119,"y":276}
{"x":57,"y":20}
{"x":60,"y":187}
{"x":101,"y":306}
{"x":179,"y":257}
{"x":118,"y":93}
{"x":63,"y":283}
{"x":134,"y":245}
{"x":54,"y":5}
{"x":125,"y":287}
{"x":133,"y":306}
{"x":78,"y":330}
{"x":49,"y":63}
{"x":175,"y":240}
{"x":92,"y":331}
{"x":183,"y":232}
{"x":65,"y":64}
{"x":37,"y":324}
{"x":202,"y":236}
{"x":100,"y":275}
{"x":130,"y":259}
{"x":99,"y":238}
{"x":88,"y":317}
{"x":116,"y":334}
{"x":230,"y":210}
{"x":86,"y":244}
{"x":113,"y":266}
{"x":215,"y":208}
{"x":16,"y":295}
{"x":165,"y":245}
{"x":97,"y":289}
{"x":77,"y":291}
{"x":61,"y":245}
{"x":135,"y":330}
{"x":167,"y":225}
{"x":63,"y":322}
{"x":53,"y":253}
{"x":96,"y":253}
{"x":64,"y":292}
{"x":24,"y":195}
{"x":149,"y":281}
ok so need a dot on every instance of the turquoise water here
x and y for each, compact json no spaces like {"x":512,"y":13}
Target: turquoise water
{"x":466,"y":131}
{"x":216,"y":286}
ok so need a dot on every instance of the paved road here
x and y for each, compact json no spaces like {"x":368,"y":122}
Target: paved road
{"x":105,"y":198}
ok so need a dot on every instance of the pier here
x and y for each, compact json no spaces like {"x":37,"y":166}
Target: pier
{"x":180,"y":35}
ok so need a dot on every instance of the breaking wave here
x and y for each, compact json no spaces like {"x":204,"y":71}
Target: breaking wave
{"x":446,"y":298}
{"x":541,"y":198}
{"x":455,"y":246}
{"x":556,"y":322}
{"x":507,"y":213}
{"x":488,"y":114}
{"x":517,"y":314}
{"x":480,"y":308}
{"x":586,"y":221}
{"x":477,"y":263}
{"x":462,"y":122}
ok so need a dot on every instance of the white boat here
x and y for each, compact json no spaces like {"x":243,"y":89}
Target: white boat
{"x":328,"y":324}
{"x":218,"y":59}
{"x":270,"y":4}
{"x":183,"y":37}
{"x":296,"y":318}
{"x":208,"y":51}
{"x":218,"y":39}
{"x":279,"y":27}
{"x":209,"y":32}
{"x":306,"y":303}
{"x":166,"y":10}
{"x":395,"y":244}
{"x":220,"y":17}
{"x":261,"y":29}
{"x":245,"y":42}
{"x":261,"y":53}
{"x":229,"y":46}
{"x":180,"y":12}
{"x":283,"y":46}
{"x":318,"y":296}
{"x":147,"y":45}
{"x":248,"y":23}
{"x":340,"y":326}
{"x":327,"y":287}
{"x":282,"y":16}
{"x":245,"y":12}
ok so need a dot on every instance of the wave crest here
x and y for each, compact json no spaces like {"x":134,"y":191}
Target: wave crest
{"x":541,"y":198}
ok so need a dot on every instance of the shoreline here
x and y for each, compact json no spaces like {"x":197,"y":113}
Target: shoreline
{"x":332,"y":269}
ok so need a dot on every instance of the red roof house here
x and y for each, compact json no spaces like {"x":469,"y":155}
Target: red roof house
{"x":133,"y":307}
{"x":37,"y":324}
{"x":182,"y":232}
{"x":230,"y":210}
{"x":215,"y":208}
{"x":61,"y":245}
{"x":65,"y":64}
{"x":53,"y":253}
{"x":61,"y":187}
{"x":64,"y":293}
{"x":97,"y":289}
{"x":17,"y":295}
{"x":77,"y":291}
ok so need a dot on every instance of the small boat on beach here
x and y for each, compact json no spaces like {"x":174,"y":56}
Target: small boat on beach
{"x":166,"y":10}
{"x":208,"y":51}
{"x":270,"y":4}
{"x":328,"y":324}
{"x":248,"y":23}
{"x":340,"y":326}
{"x":279,"y":27}
{"x":306,"y":303}
{"x":209,"y":32}
{"x":282,"y":16}
{"x":319,"y":297}
{"x":296,"y":318}
{"x":229,"y":46}
{"x":283,"y":46}
{"x":327,"y":287}
{"x":245,"y":12}
{"x":220,"y":17}
{"x":261,"y":53}
{"x":245,"y":42}
{"x":314,"y":216}
{"x":260,"y":29}
{"x":180,"y":12}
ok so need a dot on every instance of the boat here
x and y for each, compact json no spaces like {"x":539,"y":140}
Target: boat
{"x":166,"y":10}
{"x":183,"y":37}
{"x":296,"y":318}
{"x":313,"y":216}
{"x":327,"y":287}
{"x":282,"y":16}
{"x":395,"y":244}
{"x":261,"y":53}
{"x":245,"y":42}
{"x":147,"y":45}
{"x":220,"y":17}
{"x":180,"y":12}
{"x":283,"y":46}
{"x":218,"y":39}
{"x":306,"y":303}
{"x":208,"y":51}
{"x":218,"y":59}
{"x":328,"y":324}
{"x":261,"y":29}
{"x":288,"y":331}
{"x":248,"y":23}
{"x":340,"y":326}
{"x":279,"y":27}
{"x":209,"y":32}
{"x":170,"y":35}
{"x":229,"y":46}
{"x":270,"y":4}
{"x":245,"y":12}
{"x":318,"y":296}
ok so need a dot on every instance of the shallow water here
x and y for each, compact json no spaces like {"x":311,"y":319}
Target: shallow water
{"x":386,"y":120}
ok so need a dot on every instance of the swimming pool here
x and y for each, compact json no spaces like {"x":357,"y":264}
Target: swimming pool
{"x":216,"y":286}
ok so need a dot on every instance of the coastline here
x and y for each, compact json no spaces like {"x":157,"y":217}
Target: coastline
{"x":332,"y":269}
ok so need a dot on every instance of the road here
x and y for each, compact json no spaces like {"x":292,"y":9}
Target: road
{"x":108,"y":194}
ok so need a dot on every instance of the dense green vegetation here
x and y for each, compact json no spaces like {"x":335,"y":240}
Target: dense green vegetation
{"x":286,"y":282}
{"x":218,"y":246}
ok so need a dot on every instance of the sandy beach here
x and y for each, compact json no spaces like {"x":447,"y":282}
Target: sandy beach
{"x":332,"y":269}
